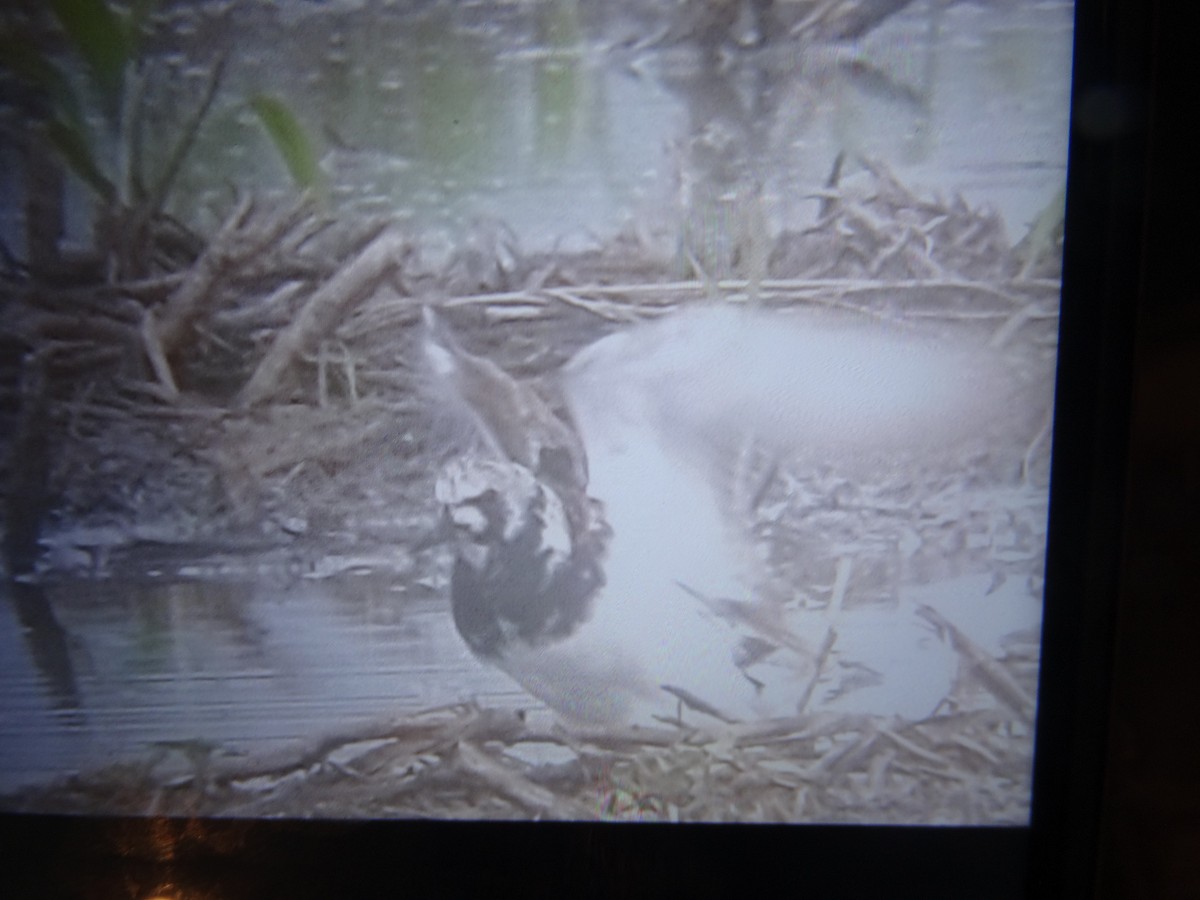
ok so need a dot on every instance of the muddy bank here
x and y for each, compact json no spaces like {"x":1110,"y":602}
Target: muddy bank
{"x":270,"y":391}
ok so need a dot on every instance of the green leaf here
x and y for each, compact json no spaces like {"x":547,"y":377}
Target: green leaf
{"x":101,"y":38}
{"x":1043,"y":235}
{"x":290,"y":139}
{"x":31,"y":65}
{"x":72,"y":142}
{"x":134,"y":23}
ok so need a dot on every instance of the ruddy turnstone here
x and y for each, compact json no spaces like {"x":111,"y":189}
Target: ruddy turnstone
{"x":597,"y":562}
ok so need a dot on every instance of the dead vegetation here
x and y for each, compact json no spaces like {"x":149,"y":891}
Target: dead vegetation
{"x":267,"y":396}
{"x":467,"y":763}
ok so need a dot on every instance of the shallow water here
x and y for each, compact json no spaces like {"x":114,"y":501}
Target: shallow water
{"x":249,"y":666}
{"x":552,"y":118}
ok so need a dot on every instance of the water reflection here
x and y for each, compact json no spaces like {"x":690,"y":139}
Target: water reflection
{"x":545,"y":116}
{"x":567,"y":119}
{"x":242,"y":668}
{"x":46,"y":644}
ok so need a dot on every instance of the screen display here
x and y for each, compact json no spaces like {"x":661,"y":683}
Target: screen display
{"x":636,"y":411}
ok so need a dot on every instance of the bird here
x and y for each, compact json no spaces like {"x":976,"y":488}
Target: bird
{"x":596,"y":557}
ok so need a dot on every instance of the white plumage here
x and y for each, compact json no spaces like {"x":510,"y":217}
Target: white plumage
{"x":632,"y":599}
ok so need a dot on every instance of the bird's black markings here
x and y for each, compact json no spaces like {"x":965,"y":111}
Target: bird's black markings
{"x":521,"y":591}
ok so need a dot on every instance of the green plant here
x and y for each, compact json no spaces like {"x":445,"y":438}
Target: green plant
{"x":290,"y":139}
{"x":88,"y":103}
